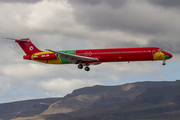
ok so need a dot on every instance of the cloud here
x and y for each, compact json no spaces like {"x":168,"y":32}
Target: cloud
{"x":112,"y":3}
{"x":166,"y":3}
{"x":40,"y":18}
{"x":138,"y":19}
{"x":65,"y":86}
{"x":173,"y":47}
{"x":20,"y":1}
{"x":86,"y":2}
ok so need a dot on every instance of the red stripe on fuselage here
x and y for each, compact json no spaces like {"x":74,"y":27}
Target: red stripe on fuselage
{"x":120,"y":54}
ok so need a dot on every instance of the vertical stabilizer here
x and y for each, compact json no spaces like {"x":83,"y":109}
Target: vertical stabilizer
{"x":28,"y":47}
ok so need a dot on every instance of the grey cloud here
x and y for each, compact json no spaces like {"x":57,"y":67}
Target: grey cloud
{"x":135,"y":18}
{"x":166,"y":3}
{"x":173,"y":47}
{"x":159,"y":27}
{"x":117,"y":3}
{"x":112,"y":3}
{"x":169,"y":42}
{"x":20,"y":1}
{"x":86,"y":2}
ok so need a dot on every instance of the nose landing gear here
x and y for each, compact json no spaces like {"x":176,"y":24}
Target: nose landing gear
{"x":164,"y":62}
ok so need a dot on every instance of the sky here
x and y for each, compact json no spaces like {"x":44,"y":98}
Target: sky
{"x":84,"y":24}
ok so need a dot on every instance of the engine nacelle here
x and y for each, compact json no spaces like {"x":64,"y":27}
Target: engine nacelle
{"x":48,"y":56}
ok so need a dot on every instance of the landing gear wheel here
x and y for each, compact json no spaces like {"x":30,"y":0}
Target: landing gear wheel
{"x":87,"y":68}
{"x":80,"y":66}
{"x":164,"y":64}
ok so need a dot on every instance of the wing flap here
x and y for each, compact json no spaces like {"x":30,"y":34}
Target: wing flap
{"x":74,"y":58}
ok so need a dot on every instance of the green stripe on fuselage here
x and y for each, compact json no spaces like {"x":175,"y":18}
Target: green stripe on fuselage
{"x":68,"y":52}
{"x":167,"y":57}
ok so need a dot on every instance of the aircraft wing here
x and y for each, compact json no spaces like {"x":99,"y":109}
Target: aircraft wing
{"x":74,"y":58}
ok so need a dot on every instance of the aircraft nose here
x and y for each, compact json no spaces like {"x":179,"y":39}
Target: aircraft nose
{"x":168,"y":55}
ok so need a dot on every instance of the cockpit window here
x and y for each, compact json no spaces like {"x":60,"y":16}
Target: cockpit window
{"x":160,"y":49}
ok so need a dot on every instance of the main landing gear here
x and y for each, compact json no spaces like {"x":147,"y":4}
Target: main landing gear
{"x":87,"y":68}
{"x":80,"y":66}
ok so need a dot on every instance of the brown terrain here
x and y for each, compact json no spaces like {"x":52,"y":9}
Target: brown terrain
{"x":140,"y":100}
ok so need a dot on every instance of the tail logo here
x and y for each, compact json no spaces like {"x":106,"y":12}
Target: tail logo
{"x":31,"y":48}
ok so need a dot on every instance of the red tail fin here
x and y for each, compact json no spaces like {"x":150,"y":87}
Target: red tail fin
{"x":28,"y":47}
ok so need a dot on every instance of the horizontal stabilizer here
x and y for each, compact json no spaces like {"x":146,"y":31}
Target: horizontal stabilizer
{"x":22,"y":40}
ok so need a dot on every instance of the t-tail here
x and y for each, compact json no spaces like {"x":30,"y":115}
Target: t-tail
{"x":28,"y":47}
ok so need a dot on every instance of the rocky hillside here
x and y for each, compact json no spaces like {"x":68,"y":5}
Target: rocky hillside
{"x":25,"y":108}
{"x":162,"y":103}
{"x":90,"y":101}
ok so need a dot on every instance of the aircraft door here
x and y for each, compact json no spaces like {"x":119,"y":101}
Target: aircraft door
{"x":153,"y":52}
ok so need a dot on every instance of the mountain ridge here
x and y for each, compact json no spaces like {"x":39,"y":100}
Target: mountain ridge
{"x":91,"y":101}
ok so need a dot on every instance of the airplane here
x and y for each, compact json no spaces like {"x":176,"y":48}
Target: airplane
{"x":89,"y":57}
